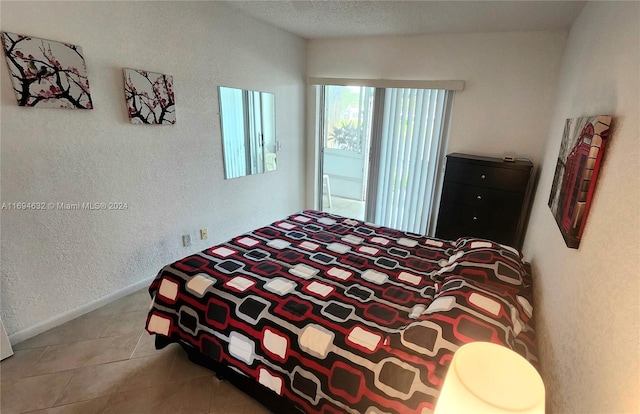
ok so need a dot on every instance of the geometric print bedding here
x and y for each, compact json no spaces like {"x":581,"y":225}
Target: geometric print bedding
{"x":342,"y":316}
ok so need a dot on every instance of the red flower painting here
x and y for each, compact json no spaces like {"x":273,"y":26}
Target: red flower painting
{"x":46,"y":73}
{"x":149,"y":97}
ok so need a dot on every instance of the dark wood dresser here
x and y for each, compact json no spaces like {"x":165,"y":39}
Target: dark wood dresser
{"x":484,"y":197}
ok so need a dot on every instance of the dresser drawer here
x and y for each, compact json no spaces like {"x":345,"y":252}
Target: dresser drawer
{"x":456,"y":220}
{"x":486,"y":176}
{"x":482,"y":197}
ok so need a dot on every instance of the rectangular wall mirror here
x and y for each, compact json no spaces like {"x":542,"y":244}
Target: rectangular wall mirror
{"x":248,"y":123}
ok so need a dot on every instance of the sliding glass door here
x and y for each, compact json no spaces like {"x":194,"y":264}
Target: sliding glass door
{"x":346,"y":124}
{"x":388,"y":144}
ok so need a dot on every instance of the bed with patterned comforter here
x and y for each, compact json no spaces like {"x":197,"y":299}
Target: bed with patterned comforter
{"x":337,"y":315}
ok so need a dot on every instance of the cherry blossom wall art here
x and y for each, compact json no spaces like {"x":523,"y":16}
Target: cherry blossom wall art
{"x":47,"y":74}
{"x":149,"y":97}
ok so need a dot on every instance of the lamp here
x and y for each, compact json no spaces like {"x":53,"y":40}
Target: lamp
{"x":489,"y":378}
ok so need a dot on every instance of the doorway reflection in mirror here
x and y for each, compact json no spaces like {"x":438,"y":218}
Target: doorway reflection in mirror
{"x":248,"y":123}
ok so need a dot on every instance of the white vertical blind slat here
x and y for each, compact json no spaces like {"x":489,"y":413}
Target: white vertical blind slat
{"x":386,"y":154}
{"x":424,"y":172}
{"x":436,"y":133}
{"x":398,"y":166}
{"x":416,"y":160}
{"x":406,"y":137}
{"x":416,"y":185}
{"x":391,"y":179}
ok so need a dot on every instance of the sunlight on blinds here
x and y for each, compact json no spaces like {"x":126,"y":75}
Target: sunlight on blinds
{"x":411,"y":144}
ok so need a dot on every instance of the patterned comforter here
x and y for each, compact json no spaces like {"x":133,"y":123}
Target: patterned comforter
{"x":338,"y":315}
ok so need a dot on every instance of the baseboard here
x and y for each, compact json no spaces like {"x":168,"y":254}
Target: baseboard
{"x":74,"y":313}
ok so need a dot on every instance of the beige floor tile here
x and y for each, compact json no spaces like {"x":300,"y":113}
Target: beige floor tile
{"x":181,"y":397}
{"x":114,"y":348}
{"x":95,"y":406}
{"x":138,"y":301}
{"x":183,"y":369}
{"x":126,"y":323}
{"x":84,"y":353}
{"x":106,"y":379}
{"x":247,"y":406}
{"x":21,"y":364}
{"x":33,"y":393}
{"x":79,"y":329}
{"x":226,"y":398}
{"x":146,"y":346}
{"x":148,"y":371}
{"x":106,"y":362}
{"x":93,"y":382}
{"x":255,"y":407}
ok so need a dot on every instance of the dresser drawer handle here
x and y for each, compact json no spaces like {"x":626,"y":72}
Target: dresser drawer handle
{"x":479,"y":197}
{"x":483,"y":176}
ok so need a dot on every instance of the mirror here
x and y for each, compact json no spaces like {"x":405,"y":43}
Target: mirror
{"x":248,"y":123}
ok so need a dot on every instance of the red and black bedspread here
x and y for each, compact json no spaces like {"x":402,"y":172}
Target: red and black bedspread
{"x":341,"y":316}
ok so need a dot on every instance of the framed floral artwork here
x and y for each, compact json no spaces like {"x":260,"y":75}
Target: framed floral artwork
{"x":47,"y":74}
{"x":149,"y":97}
{"x":581,"y":150}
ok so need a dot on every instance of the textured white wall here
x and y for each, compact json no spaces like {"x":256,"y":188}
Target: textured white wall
{"x":587,"y":300}
{"x":170,"y":176}
{"x":510,"y":80}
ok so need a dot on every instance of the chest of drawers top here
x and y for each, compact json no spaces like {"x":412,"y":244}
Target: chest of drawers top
{"x":488,"y":172}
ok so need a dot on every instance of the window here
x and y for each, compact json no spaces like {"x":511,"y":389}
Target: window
{"x":382,"y":149}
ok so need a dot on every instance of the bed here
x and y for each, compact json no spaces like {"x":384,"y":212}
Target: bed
{"x":318,"y":313}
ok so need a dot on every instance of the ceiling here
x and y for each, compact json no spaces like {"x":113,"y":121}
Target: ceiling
{"x":318,"y":19}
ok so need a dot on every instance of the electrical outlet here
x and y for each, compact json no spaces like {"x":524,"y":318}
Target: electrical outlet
{"x":186,"y":240}
{"x":204,"y":234}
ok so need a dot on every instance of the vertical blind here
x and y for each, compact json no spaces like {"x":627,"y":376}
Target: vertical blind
{"x":254,"y":112}
{"x":409,"y":152}
{"x":245,"y":127}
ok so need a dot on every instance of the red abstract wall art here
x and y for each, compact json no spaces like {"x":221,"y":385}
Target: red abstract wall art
{"x":577,"y":168}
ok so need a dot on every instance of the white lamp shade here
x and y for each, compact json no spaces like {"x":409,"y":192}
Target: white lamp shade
{"x":489,"y":378}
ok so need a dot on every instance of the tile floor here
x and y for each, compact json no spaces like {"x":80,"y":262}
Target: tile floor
{"x":344,"y":207}
{"x":105,"y":362}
